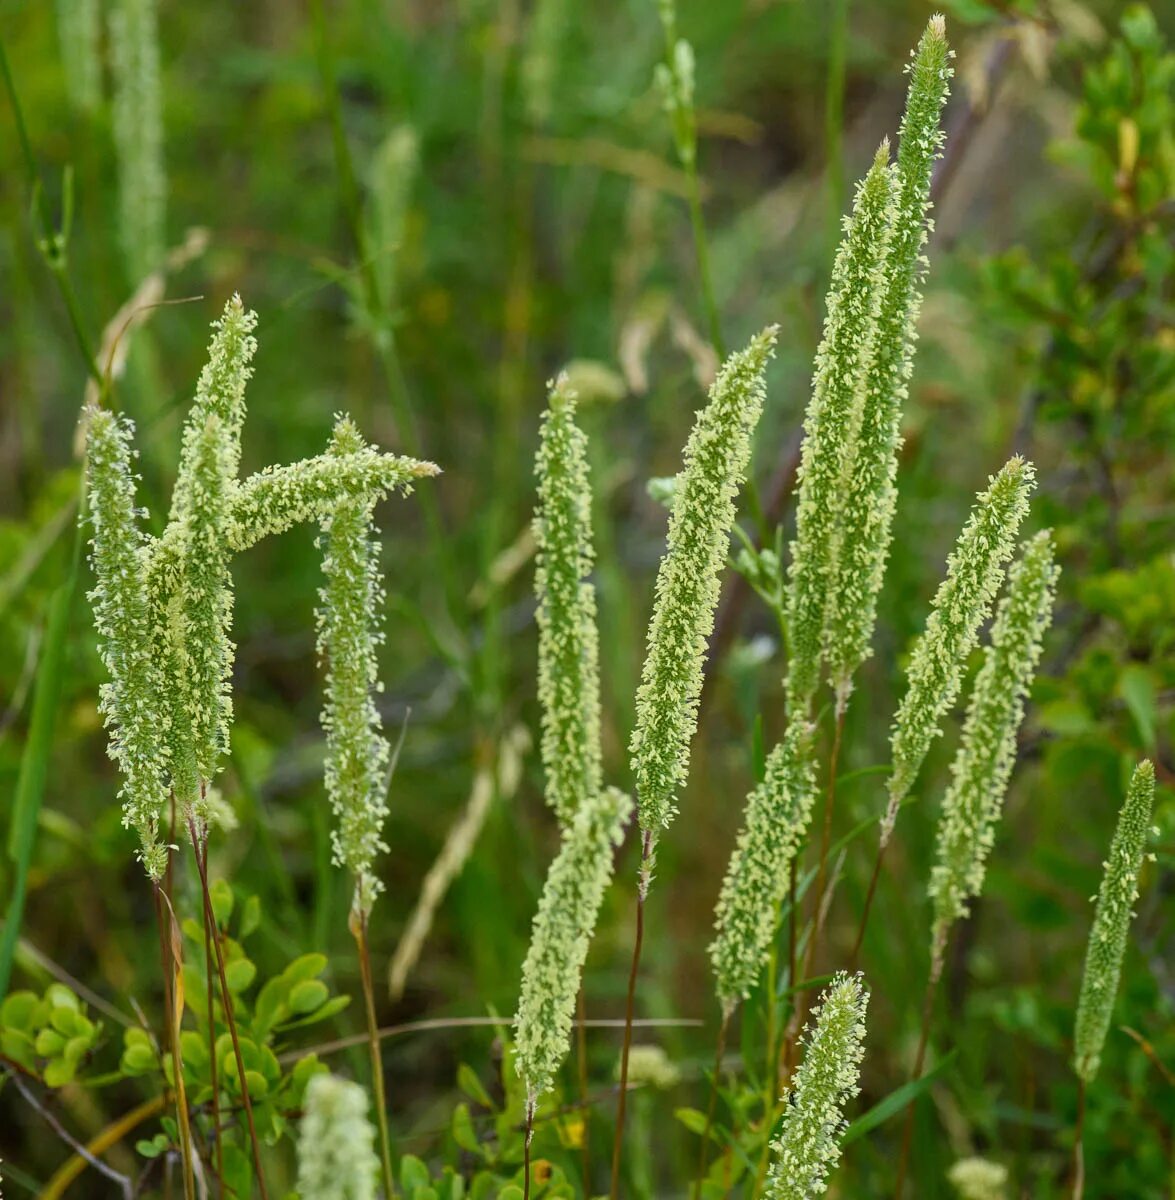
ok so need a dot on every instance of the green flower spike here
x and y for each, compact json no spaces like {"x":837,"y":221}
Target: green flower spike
{"x":336,"y":1142}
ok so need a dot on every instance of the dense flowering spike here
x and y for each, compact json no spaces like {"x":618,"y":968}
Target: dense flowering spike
{"x":716,"y":458}
{"x":871,"y":492}
{"x":987,"y":752}
{"x":130,"y":700}
{"x":336,"y":1142}
{"x":220,"y":392}
{"x":276,"y":499}
{"x":777,"y":815}
{"x":563,"y":927}
{"x":569,"y":684}
{"x":975,"y":570}
{"x":357,"y":753}
{"x":807,"y":1148}
{"x":1111,"y":923}
{"x":978,"y":1179}
{"x":138,"y":133}
{"x":79,"y":32}
{"x":830,"y":425}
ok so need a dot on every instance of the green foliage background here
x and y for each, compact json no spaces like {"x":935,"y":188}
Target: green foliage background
{"x":544,"y":224}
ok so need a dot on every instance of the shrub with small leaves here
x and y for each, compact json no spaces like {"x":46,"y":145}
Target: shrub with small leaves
{"x":48,"y":1036}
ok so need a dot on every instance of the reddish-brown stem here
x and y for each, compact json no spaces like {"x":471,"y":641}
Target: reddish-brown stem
{"x":868,"y":906}
{"x":1079,"y":1143}
{"x":936,"y":963}
{"x":359,"y":929}
{"x":719,"y":1050}
{"x":210,"y":932}
{"x":629,"y":1007}
{"x":226,"y":1001}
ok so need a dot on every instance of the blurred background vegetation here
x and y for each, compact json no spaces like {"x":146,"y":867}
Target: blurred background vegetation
{"x":434,"y":205}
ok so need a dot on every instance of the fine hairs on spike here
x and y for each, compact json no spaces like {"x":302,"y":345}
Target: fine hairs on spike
{"x":562,"y":931}
{"x":870,"y":487}
{"x":138,"y":133}
{"x":716,"y":458}
{"x":830,"y":424}
{"x":777,"y":816}
{"x":130,"y":699}
{"x":807,"y":1147}
{"x":357,"y":753}
{"x":569,"y":683}
{"x":1111,"y":923}
{"x":199,"y":614}
{"x":336,"y":1142}
{"x":975,"y":570}
{"x":987,"y":752}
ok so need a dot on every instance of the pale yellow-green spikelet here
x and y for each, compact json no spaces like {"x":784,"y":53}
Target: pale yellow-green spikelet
{"x":978,"y":1179}
{"x":569,"y":683}
{"x":349,"y":615}
{"x":987,"y":752}
{"x":975,"y":571}
{"x":199,"y":610}
{"x":716,"y":458}
{"x":562,"y":931}
{"x":130,"y":700}
{"x":807,"y":1148}
{"x":870,"y":489}
{"x":1111,"y":923}
{"x":336,"y":1142}
{"x":830,"y":427}
{"x":777,"y":814}
{"x":79,"y":29}
{"x":138,"y":133}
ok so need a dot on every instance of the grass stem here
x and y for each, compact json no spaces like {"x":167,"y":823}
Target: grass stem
{"x":719,"y":1050}
{"x":359,"y":929}
{"x":1079,"y":1143}
{"x":226,"y":1001}
{"x":629,"y":1006}
{"x":585,"y":1106}
{"x":210,"y":931}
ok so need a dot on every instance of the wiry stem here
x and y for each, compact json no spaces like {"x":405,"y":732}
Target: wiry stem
{"x":226,"y":1001}
{"x":530,"y":1107}
{"x":718,"y":1052}
{"x":210,"y":932}
{"x":826,"y":835}
{"x":868,"y":906}
{"x":166,"y":959}
{"x":629,"y":1006}
{"x":359,"y":929}
{"x":937,"y":958}
{"x":1079,"y":1143}
{"x":585,"y":1106}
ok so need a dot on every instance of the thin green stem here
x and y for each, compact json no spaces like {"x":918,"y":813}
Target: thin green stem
{"x":1079,"y":1144}
{"x":226,"y":1001}
{"x":210,"y":932}
{"x":359,"y":929}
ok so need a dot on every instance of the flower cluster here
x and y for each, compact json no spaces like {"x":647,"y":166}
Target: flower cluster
{"x":336,"y":1142}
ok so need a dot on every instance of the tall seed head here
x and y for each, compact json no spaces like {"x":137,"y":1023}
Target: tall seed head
{"x":807,"y":1149}
{"x":563,"y":927}
{"x":138,"y":133}
{"x":831,"y":423}
{"x":1111,"y":923}
{"x":79,"y":33}
{"x":130,"y":700}
{"x":715,"y":462}
{"x":975,"y":570}
{"x":987,"y":752}
{"x":777,"y":816}
{"x":336,"y":1142}
{"x":871,"y":493}
{"x":569,"y":679}
{"x":357,"y":754}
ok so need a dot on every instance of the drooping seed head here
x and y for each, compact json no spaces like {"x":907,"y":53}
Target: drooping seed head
{"x":1111,"y":923}
{"x":336,"y":1142}
{"x":831,"y":425}
{"x":777,"y":816}
{"x":807,"y":1147}
{"x":716,"y":458}
{"x":562,"y":931}
{"x":871,"y":492}
{"x":569,"y":682}
{"x":987,"y":752}
{"x":975,"y":571}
